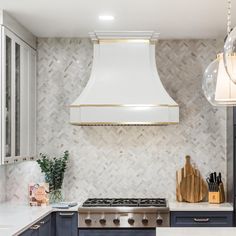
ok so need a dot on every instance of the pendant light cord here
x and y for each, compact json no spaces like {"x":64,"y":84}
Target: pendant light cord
{"x":229,"y":17}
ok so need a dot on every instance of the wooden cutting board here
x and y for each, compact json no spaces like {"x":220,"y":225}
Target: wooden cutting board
{"x":181,"y":174}
{"x":179,"y":178}
{"x":188,"y":168}
{"x":193,"y":188}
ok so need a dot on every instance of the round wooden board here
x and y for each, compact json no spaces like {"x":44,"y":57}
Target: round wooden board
{"x":193,"y":188}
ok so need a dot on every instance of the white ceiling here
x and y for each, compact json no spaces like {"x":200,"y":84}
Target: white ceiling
{"x":75,"y":18}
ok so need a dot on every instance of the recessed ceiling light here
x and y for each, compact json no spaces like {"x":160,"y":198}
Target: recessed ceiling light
{"x":106,"y":17}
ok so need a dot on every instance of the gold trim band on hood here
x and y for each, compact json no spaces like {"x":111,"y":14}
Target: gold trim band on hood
{"x":124,"y":105}
{"x":122,"y":123}
{"x":124,"y":41}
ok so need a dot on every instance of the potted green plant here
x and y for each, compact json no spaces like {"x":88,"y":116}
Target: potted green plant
{"x":54,"y":169}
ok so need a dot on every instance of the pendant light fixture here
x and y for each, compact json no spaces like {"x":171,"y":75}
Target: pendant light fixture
{"x":230,"y":48}
{"x":217,"y":85}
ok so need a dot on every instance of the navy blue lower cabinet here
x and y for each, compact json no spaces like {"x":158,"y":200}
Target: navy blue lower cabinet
{"x":201,"y":219}
{"x":117,"y":232}
{"x":45,"y":226}
{"x":41,"y":228}
{"x":32,"y":231}
{"x":66,"y":223}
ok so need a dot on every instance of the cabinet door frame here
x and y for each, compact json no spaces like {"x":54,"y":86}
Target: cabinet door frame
{"x":7,"y":33}
{"x":1,"y":104}
{"x":32,"y":88}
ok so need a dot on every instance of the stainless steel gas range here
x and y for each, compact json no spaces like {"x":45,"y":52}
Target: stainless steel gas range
{"x":122,"y":216}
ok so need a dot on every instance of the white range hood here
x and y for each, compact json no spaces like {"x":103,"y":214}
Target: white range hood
{"x":124,"y":87}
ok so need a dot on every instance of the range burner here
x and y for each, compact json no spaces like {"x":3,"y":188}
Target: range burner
{"x":98,"y":202}
{"x":153,"y":202}
{"x":125,"y":202}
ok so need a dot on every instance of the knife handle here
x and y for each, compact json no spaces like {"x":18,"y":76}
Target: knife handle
{"x":214,"y":176}
{"x":220,"y":177}
{"x":211,"y":177}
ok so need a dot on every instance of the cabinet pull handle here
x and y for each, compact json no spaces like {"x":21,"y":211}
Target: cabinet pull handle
{"x":42,"y":222}
{"x":201,"y":220}
{"x":34,"y":227}
{"x":66,"y":214}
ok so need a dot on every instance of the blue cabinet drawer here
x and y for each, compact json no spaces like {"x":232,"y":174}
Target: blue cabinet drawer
{"x":201,"y":219}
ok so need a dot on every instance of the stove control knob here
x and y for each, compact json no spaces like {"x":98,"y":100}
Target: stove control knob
{"x":102,"y":221}
{"x":116,"y":221}
{"x":145,"y":220}
{"x":159,"y":220}
{"x":131,"y":221}
{"x":88,"y":221}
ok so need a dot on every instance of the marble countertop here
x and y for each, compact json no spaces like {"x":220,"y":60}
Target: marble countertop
{"x":201,"y":206}
{"x":204,"y":231}
{"x":15,"y":218}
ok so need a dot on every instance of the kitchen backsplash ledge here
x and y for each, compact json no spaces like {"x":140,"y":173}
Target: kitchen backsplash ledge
{"x":123,"y":161}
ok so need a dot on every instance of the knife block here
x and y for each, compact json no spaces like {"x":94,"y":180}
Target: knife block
{"x":217,"y":197}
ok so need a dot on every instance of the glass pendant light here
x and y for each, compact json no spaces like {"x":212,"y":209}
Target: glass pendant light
{"x":217,"y":86}
{"x":230,"y":48}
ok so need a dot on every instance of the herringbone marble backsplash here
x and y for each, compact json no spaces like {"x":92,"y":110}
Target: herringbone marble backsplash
{"x":123,"y":161}
{"x":2,"y":184}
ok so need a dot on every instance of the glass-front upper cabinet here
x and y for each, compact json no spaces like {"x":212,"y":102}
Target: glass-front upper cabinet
{"x":18,"y":135}
{"x":8,"y":95}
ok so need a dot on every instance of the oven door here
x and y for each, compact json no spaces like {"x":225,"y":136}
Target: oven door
{"x":117,"y":232}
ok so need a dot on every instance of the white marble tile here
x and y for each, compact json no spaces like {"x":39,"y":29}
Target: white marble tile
{"x":2,"y":184}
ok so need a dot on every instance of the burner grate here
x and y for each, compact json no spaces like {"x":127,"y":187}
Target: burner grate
{"x":153,"y":202}
{"x":125,"y":202}
{"x":98,"y":202}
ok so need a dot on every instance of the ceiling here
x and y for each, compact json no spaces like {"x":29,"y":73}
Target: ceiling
{"x":75,"y":18}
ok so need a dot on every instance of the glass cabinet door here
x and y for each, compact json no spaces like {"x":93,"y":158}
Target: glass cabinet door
{"x":8,"y":96}
{"x":12,"y":122}
{"x":17,"y":99}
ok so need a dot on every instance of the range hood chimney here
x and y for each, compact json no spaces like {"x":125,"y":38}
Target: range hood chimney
{"x":124,"y":87}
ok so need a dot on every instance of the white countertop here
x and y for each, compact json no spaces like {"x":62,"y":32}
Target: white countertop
{"x":191,"y":231}
{"x":201,"y":206}
{"x":15,"y":218}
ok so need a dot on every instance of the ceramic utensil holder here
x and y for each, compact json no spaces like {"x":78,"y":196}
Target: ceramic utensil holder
{"x":217,"y":197}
